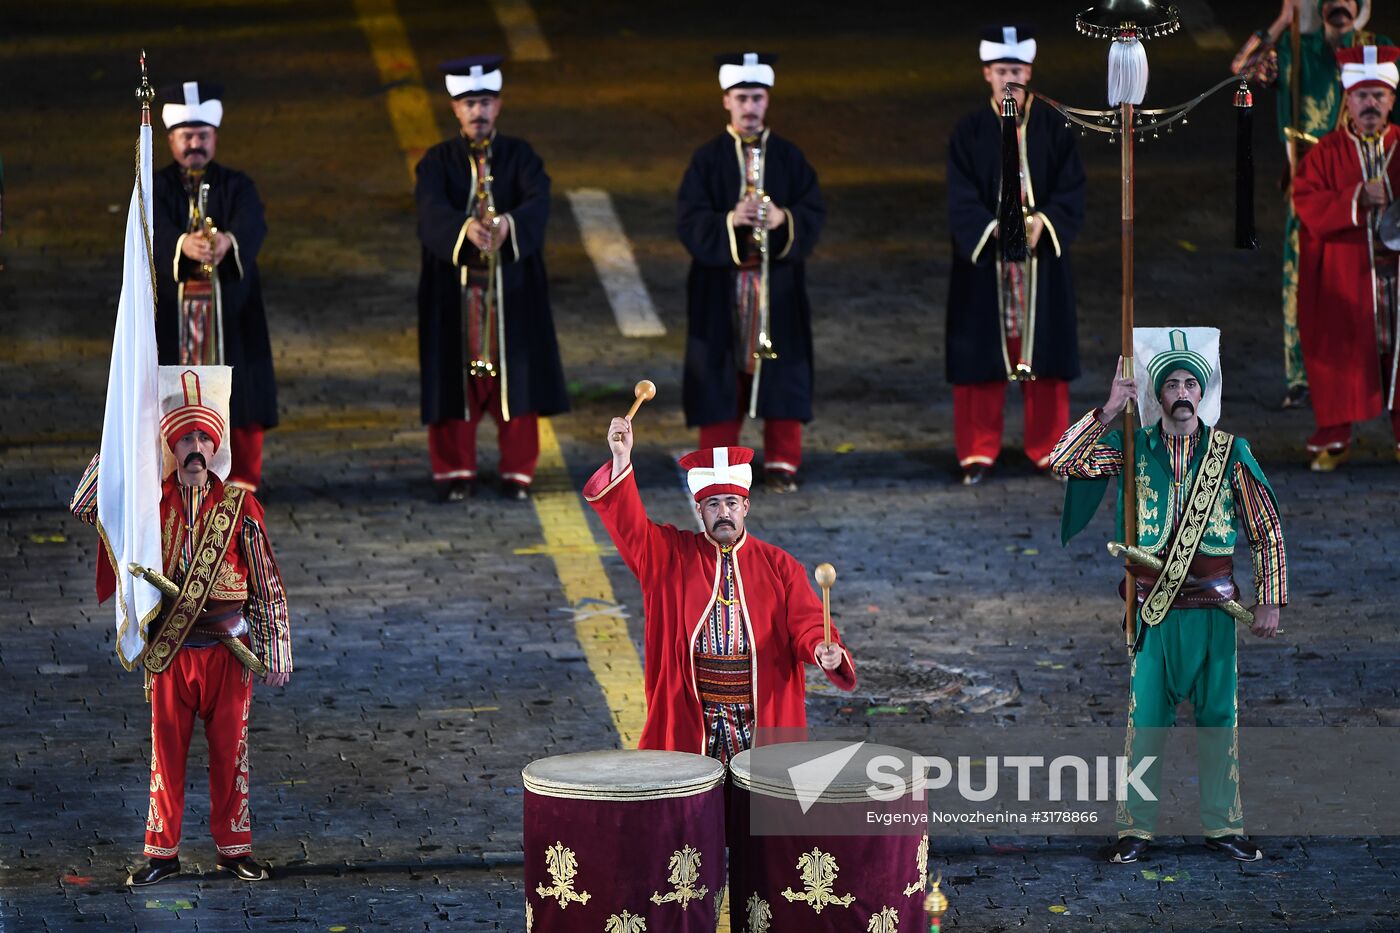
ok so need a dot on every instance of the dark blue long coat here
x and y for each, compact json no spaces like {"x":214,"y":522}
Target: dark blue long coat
{"x":974,"y":351}
{"x":712,"y":185}
{"x":533,"y":372}
{"x":235,"y":208}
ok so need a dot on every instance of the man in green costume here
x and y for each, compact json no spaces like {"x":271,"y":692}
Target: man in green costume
{"x":1319,"y":108}
{"x":1195,"y":485}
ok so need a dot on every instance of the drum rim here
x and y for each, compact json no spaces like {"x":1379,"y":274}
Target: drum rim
{"x":594,"y":790}
{"x":834,"y":793}
{"x":611,"y":792}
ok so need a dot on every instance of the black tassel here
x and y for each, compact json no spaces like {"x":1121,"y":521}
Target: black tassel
{"x":1011,"y":221}
{"x":1245,"y":236}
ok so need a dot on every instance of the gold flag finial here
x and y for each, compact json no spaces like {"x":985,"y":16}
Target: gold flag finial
{"x":144,"y":93}
{"x":936,"y":904}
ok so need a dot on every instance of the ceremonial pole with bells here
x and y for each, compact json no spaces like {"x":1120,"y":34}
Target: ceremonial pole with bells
{"x":1126,"y":23}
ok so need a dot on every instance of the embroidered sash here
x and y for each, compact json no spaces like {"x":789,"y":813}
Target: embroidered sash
{"x":220,"y":531}
{"x":1211,"y":477}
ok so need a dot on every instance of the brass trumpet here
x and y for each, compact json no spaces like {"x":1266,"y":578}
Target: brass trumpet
{"x":481,"y":364}
{"x":764,"y":350}
{"x":207,"y":228}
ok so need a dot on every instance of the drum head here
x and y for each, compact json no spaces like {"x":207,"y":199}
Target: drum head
{"x":623,"y":775}
{"x":1390,"y":227}
{"x":803,"y":770}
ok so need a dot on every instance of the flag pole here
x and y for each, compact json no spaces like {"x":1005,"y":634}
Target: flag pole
{"x":1129,"y":372}
{"x":128,"y":483}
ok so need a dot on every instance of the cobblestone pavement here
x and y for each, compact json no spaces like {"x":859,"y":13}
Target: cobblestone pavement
{"x":433,"y":658}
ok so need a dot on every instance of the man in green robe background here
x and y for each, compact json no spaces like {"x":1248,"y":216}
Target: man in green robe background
{"x":1195,"y":485}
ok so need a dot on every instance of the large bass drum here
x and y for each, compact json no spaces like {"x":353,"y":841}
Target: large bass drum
{"x":810,"y":849}
{"x":624,"y":840}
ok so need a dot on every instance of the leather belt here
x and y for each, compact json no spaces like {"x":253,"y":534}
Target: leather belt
{"x":1194,"y":594}
{"x":225,"y":622}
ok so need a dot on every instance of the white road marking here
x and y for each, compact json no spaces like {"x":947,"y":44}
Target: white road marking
{"x":1199,"y":20}
{"x":612,"y":256}
{"x":522,"y":29}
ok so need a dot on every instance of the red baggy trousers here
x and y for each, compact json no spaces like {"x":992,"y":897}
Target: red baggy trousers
{"x":452,"y":443}
{"x":209,"y":683}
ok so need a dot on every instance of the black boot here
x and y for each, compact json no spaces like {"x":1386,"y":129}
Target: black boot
{"x":244,"y":868}
{"x":975,"y":473}
{"x":158,"y":869}
{"x":1126,"y":850}
{"x":516,"y":492}
{"x":455,"y":490}
{"x":780,"y":481}
{"x":1238,"y":848}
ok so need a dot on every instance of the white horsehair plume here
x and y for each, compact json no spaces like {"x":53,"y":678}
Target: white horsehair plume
{"x":1127,"y":72}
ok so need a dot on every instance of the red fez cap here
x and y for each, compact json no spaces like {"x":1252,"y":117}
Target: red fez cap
{"x":719,"y":471}
{"x":1369,"y":65}
{"x":188,"y":413}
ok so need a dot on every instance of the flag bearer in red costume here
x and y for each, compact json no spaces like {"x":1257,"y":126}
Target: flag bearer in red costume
{"x":1347,"y":278}
{"x":730,"y":620}
{"x":215,"y":548}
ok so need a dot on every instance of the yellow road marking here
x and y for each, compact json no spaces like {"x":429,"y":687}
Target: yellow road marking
{"x":590,"y":548}
{"x":407,"y":100}
{"x":606,"y":645}
{"x":522,"y":29}
{"x":603,"y":636}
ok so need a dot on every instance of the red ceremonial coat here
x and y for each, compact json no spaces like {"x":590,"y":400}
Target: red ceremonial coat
{"x":231,"y":580}
{"x":679,"y":574}
{"x":1336,"y":303}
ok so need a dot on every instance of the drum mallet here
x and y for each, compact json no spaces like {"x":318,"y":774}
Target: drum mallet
{"x":645,"y":391}
{"x":826,"y":575}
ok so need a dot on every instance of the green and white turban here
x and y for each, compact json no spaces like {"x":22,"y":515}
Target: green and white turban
{"x":1161,"y":351}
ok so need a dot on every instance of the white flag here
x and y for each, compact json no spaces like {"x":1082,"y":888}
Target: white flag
{"x":128,"y":482}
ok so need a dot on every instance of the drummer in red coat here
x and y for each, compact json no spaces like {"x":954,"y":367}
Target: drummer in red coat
{"x":1348,"y":280}
{"x":730,"y":619}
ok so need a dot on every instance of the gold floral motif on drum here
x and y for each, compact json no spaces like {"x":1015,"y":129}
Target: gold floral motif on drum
{"x":562,"y":865}
{"x":759,"y":915}
{"x":921,"y":866}
{"x":818,"y":870}
{"x":625,"y":923}
{"x":685,"y":872}
{"x":886,"y":921}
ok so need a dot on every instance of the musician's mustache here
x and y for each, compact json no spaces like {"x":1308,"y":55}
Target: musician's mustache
{"x":724,"y":521}
{"x":1338,"y":14}
{"x":1370,"y":112}
{"x":1183,"y":402}
{"x":196,"y":151}
{"x":196,"y":455}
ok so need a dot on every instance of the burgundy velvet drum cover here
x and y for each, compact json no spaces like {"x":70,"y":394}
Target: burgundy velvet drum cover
{"x":850,"y":862}
{"x":624,"y":842}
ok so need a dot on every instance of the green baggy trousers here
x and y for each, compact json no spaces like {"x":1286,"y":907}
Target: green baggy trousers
{"x":1189,"y":656}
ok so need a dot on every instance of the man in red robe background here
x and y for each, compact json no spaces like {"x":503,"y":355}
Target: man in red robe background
{"x":730,"y":619}
{"x":1347,"y":278}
